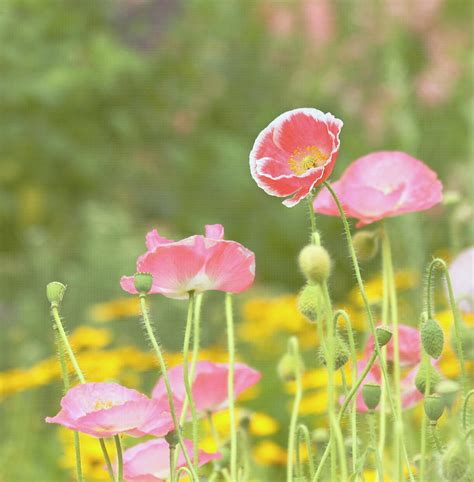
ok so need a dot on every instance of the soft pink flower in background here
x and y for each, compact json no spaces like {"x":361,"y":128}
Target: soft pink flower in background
{"x":461,"y":271}
{"x":107,"y":409}
{"x":320,"y":21}
{"x":149,"y":461}
{"x":279,"y":19}
{"x":210,"y":384}
{"x":295,"y":153}
{"x":380,"y":185}
{"x":198,"y":263}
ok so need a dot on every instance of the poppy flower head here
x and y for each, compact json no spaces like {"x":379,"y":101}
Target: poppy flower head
{"x":295,"y":153}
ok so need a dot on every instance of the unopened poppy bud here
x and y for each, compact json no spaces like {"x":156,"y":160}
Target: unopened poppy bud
{"x":371,"y":393}
{"x":420,"y":379}
{"x":55,"y":292}
{"x":341,"y":353}
{"x":287,"y":367}
{"x":384,"y":335}
{"x":432,"y":338}
{"x":366,"y":245}
{"x":315,"y":263}
{"x":448,"y":390}
{"x":310,"y":302}
{"x":143,"y":282}
{"x":434,"y":407}
{"x":455,"y":462}
{"x":172,"y":438}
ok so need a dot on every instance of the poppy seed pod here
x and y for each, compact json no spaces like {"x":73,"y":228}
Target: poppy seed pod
{"x":434,"y":407}
{"x":55,"y":292}
{"x":455,"y":462}
{"x":341,"y":353}
{"x":432,"y":338}
{"x":315,"y":263}
{"x":172,"y":438}
{"x":287,"y":367}
{"x":143,"y":282}
{"x":384,"y":334}
{"x":310,"y":301}
{"x":420,"y":379}
{"x":371,"y":393}
{"x":366,"y":245}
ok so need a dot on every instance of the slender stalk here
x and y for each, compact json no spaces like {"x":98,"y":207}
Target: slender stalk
{"x":437,"y":442}
{"x":66,"y":382}
{"x":302,"y":433}
{"x":118,"y":449}
{"x":172,"y":463}
{"x":424,"y":420}
{"x":293,"y":350}
{"x":187,"y":471}
{"x":373,"y":442}
{"x":79,"y":374}
{"x":188,"y":383}
{"x":164,"y":371}
{"x":230,"y":386}
{"x":465,"y":407}
{"x":369,"y":318}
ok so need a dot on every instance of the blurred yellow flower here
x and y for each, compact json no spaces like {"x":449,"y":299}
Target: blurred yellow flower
{"x":112,"y":310}
{"x":89,"y":338}
{"x":268,"y":452}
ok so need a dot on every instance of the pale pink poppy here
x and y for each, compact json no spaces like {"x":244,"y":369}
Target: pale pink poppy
{"x":408,"y":346}
{"x":461,"y":271}
{"x":107,"y":409}
{"x":380,"y":185}
{"x":210,"y":384}
{"x":295,"y":153}
{"x":198,"y":263}
{"x":149,"y":461}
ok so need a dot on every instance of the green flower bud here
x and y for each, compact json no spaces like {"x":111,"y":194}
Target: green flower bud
{"x":143,"y":282}
{"x":448,"y":390}
{"x":310,"y":302}
{"x":420,"y":379}
{"x":371,"y":393}
{"x":172,"y":438}
{"x":434,"y":407}
{"x":384,"y":334}
{"x":432,"y":338}
{"x":315,"y":263}
{"x":55,"y":292}
{"x":287,"y":367}
{"x":366,"y":245}
{"x":341,"y":353}
{"x":455,"y":462}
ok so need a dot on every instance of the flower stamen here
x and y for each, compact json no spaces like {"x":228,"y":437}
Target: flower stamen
{"x":304,"y":159}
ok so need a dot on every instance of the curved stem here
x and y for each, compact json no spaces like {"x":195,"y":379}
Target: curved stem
{"x":465,"y":407}
{"x":187,"y":380}
{"x":293,"y":350}
{"x":369,"y":318}
{"x":230,"y":386}
{"x":302,"y":433}
{"x":118,"y":449}
{"x":184,"y":470}
{"x":164,"y":372}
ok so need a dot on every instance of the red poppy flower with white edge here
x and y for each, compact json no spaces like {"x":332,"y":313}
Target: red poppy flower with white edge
{"x":295,"y":153}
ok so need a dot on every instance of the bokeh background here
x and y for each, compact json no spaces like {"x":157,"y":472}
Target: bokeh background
{"x":119,"y":116}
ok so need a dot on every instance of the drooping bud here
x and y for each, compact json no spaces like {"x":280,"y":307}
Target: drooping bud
{"x":371,"y":393}
{"x":143,"y":282}
{"x":421,"y":376}
{"x":384,"y":334}
{"x":341,"y":353}
{"x":448,"y":390}
{"x":55,"y":292}
{"x":434,"y":407}
{"x":366,"y":245}
{"x":456,"y":461}
{"x":310,"y":302}
{"x":432,"y":338}
{"x":315,"y":263}
{"x":287,"y":367}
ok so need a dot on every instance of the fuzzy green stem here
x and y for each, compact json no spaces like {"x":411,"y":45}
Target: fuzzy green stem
{"x":465,"y":407}
{"x":373,"y":442}
{"x":293,"y":350}
{"x":437,"y":442}
{"x":172,"y":463}
{"x":187,"y":471}
{"x":369,"y":318}
{"x":302,"y":434}
{"x":118,"y":449}
{"x":230,"y":386}
{"x":164,"y":372}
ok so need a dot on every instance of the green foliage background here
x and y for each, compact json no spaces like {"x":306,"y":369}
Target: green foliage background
{"x":121,"y":116}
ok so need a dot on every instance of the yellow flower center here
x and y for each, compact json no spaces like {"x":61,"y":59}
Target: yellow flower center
{"x":103,"y":404}
{"x":304,"y":159}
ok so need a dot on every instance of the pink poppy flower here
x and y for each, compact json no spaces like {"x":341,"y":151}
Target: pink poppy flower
{"x":149,"y":461}
{"x":380,"y":185}
{"x":408,"y":346}
{"x":295,"y":153}
{"x":198,"y":263}
{"x":461,"y":271}
{"x":210,"y":384}
{"x":107,"y":409}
